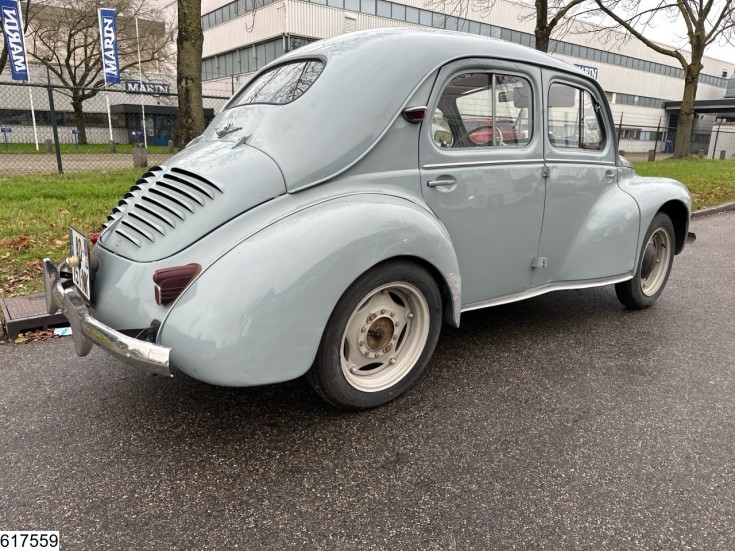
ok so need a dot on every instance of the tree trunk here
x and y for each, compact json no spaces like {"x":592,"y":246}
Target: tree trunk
{"x":543,"y":31}
{"x":76,"y":105}
{"x":189,"y":70}
{"x":542,"y":39}
{"x":686,"y":114}
{"x":3,"y":60}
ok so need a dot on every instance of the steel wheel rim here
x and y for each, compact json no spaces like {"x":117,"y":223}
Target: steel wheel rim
{"x":661,"y":242}
{"x":384,"y":337}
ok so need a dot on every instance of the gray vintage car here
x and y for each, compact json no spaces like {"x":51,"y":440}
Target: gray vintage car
{"x":352,"y":197}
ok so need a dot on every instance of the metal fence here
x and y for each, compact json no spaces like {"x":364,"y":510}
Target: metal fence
{"x":650,"y":137}
{"x":41,"y":133}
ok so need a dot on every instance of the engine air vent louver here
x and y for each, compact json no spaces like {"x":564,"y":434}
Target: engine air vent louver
{"x":158,"y":202}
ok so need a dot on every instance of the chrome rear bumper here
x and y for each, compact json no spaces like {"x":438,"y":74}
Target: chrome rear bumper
{"x":86,"y":330}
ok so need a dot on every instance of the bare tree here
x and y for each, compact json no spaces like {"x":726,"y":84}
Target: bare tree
{"x":705,"y":21}
{"x":549,"y":15}
{"x":4,"y":55}
{"x":64,"y":36}
{"x":189,"y":42}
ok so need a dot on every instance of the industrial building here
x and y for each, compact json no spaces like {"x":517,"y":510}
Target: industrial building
{"x":642,"y":86}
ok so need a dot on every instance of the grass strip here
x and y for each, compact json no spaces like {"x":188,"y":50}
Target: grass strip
{"x":710,"y":181}
{"x":36,"y":212}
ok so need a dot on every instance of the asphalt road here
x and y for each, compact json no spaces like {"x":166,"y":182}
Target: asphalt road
{"x":564,"y":422}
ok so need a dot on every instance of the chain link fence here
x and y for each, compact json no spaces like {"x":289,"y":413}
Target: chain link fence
{"x":45,"y":129}
{"x":42,"y":132}
{"x":646,"y":137}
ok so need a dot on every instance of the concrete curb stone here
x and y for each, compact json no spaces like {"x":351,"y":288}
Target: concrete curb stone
{"x":724,"y":207}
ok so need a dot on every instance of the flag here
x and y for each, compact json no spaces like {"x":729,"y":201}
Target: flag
{"x":108,"y":40}
{"x":15,"y":43}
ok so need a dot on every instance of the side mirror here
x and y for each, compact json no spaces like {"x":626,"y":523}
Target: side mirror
{"x":561,"y":95}
{"x":521,"y":97}
{"x":443,"y":138}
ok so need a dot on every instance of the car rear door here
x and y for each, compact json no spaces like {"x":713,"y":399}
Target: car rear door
{"x":486,"y":184}
{"x":590,"y":228}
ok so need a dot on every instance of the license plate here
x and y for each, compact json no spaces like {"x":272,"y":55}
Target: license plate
{"x":79,"y":245}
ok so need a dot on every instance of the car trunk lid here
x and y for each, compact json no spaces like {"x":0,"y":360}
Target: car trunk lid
{"x":174,"y":205}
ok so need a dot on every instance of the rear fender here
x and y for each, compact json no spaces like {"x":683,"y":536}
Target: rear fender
{"x":256,"y":315}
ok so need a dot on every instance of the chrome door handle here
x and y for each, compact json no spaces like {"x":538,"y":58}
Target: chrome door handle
{"x":609,"y":176}
{"x":444,"y":181}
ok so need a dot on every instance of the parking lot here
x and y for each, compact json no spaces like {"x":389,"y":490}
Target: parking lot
{"x":562,"y":422}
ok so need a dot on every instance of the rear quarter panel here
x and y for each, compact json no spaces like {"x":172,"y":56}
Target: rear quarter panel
{"x":256,"y":315}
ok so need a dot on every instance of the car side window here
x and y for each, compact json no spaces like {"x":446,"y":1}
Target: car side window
{"x":484,"y":110}
{"x":575,"y":119}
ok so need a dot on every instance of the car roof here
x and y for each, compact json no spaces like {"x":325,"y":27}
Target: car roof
{"x":368,"y":79}
{"x":426,"y":47}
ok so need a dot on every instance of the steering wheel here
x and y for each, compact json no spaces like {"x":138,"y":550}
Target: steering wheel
{"x":466,"y":139}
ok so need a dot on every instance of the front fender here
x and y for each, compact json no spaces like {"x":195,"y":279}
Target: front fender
{"x":653,"y":194}
{"x":256,"y":315}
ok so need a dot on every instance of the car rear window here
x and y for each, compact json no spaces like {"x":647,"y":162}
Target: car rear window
{"x":281,"y":84}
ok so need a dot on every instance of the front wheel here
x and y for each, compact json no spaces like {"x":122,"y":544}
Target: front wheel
{"x":654,"y":266}
{"x":379,"y":337}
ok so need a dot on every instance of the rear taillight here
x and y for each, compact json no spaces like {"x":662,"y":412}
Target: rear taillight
{"x":414,"y":114}
{"x":170,"y":282}
{"x":93,"y":237}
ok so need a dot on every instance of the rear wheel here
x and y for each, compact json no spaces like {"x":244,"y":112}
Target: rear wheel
{"x":379,"y":337}
{"x":654,"y":266}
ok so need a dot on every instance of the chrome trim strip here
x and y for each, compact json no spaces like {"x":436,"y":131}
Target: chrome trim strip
{"x":484,"y":163}
{"x":542,"y":290}
{"x":580,"y":162}
{"x":87,"y":330}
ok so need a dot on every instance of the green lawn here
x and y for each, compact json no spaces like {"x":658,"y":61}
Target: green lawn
{"x":36,"y":210}
{"x":711,"y":182}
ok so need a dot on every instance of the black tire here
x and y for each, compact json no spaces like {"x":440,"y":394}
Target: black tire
{"x":654,"y":266}
{"x":351,"y":334}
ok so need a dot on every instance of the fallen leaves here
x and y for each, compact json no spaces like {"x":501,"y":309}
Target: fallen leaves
{"x":19,"y":244}
{"x":36,"y":336}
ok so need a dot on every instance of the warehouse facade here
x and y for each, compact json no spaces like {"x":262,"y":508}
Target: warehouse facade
{"x":241,"y":37}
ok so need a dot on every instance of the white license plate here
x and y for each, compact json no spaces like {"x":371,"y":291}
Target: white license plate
{"x":79,"y":245}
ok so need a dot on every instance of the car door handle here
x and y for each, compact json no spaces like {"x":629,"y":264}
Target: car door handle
{"x":609,"y":176}
{"x":443,"y":181}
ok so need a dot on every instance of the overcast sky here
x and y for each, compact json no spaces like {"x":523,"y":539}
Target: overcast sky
{"x":673,"y":33}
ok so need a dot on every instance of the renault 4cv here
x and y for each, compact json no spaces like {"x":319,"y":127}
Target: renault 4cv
{"x":344,"y":204}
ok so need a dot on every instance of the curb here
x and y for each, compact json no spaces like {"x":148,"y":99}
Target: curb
{"x":725,"y":207}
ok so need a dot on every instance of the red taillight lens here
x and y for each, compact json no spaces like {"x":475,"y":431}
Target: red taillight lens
{"x":170,"y":282}
{"x":94,"y":237}
{"x":414,"y":114}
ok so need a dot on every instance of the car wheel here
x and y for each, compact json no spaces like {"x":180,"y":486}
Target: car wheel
{"x":654,"y":266}
{"x":379,"y":337}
